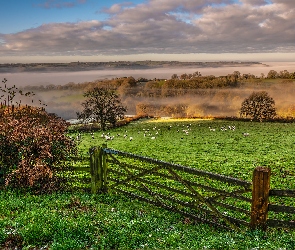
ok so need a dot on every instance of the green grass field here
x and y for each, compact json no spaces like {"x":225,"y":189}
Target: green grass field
{"x":79,"y":220}
{"x":210,"y":145}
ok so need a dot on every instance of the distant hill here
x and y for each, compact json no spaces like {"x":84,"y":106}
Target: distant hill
{"x":82,"y":66}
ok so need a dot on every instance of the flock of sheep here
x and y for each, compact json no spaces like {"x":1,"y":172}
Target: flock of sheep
{"x":155,"y":132}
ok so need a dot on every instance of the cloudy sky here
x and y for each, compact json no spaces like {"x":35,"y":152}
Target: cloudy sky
{"x":105,"y":30}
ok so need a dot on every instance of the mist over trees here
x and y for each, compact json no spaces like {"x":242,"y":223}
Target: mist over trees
{"x":185,"y":95}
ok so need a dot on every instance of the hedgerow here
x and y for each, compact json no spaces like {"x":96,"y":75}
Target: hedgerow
{"x":34,"y":146}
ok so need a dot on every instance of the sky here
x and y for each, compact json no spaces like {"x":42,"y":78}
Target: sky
{"x":119,"y":30}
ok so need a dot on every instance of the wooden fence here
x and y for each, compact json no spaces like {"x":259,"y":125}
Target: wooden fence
{"x":203,"y":196}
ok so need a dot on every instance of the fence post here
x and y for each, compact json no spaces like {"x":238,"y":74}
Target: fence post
{"x":260,"y":195}
{"x":98,"y":169}
{"x":95,"y":163}
{"x":104,"y":169}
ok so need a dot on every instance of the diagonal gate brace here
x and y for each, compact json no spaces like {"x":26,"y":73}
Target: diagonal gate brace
{"x":201,"y":198}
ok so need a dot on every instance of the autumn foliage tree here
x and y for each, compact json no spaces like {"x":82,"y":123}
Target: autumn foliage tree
{"x":103,"y":106}
{"x":258,"y":106}
{"x":33,"y":146}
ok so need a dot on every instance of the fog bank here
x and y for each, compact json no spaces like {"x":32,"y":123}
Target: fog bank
{"x":61,"y":78}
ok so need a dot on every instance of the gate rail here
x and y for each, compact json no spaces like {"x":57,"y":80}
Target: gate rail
{"x":204,"y":196}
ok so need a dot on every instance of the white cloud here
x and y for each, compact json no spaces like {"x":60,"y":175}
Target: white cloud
{"x":255,"y":2}
{"x":114,"y":9}
{"x":167,"y":26}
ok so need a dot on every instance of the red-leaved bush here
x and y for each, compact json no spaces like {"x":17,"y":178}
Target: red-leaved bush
{"x":33,"y":147}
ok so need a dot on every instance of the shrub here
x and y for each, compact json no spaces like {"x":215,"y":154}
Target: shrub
{"x":33,"y":147}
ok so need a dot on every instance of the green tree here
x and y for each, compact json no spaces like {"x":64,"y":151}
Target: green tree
{"x":258,"y":106}
{"x":284,"y":74}
{"x":102,"y":106}
{"x":272,"y":74}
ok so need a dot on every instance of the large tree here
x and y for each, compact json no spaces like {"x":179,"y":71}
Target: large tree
{"x":102,"y":106}
{"x":258,"y":106}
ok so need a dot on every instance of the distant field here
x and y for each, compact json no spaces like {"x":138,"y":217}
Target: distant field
{"x":210,"y":145}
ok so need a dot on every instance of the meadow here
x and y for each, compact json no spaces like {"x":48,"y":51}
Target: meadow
{"x":80,"y":220}
{"x":210,"y":145}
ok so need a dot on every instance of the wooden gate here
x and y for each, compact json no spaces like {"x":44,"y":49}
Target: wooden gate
{"x":206,"y":197}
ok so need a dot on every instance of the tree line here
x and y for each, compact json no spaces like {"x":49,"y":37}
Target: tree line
{"x":187,"y":95}
{"x":181,"y":84}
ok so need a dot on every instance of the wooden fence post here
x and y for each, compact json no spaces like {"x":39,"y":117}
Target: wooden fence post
{"x":104,"y":169}
{"x":260,"y":194}
{"x":95,"y":163}
{"x":98,"y":169}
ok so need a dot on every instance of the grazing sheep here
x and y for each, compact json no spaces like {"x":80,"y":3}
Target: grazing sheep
{"x":212,"y":129}
{"x":78,"y":137}
{"x":246,"y":134}
{"x":108,"y":138}
{"x":232,"y":127}
{"x":223,"y":129}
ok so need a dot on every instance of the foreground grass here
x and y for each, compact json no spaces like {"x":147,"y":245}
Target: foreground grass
{"x":85,"y":221}
{"x":77,"y":220}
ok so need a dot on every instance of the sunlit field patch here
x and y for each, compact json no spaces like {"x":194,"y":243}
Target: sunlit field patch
{"x":170,"y":119}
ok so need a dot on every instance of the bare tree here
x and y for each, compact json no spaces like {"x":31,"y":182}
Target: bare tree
{"x":102,"y":106}
{"x":258,"y":106}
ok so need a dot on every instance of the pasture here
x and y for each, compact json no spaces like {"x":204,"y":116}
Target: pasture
{"x":232,"y":148}
{"x":79,"y":220}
